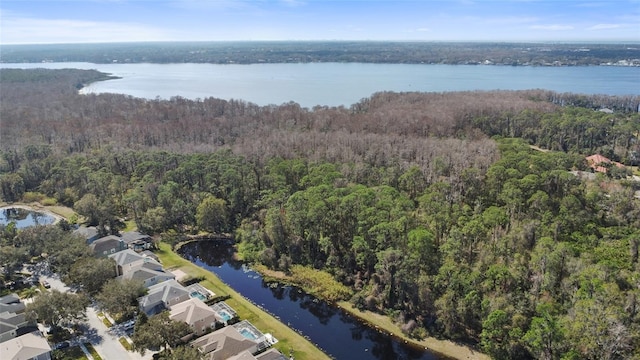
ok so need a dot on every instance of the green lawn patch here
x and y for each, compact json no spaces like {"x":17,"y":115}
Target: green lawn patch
{"x":92,"y":351}
{"x":125,"y":344}
{"x":106,"y":322}
{"x":70,"y":353}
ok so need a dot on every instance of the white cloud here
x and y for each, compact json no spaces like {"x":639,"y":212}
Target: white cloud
{"x":423,"y":29}
{"x":605,"y":27}
{"x":553,"y":27}
{"x":22,"y":30}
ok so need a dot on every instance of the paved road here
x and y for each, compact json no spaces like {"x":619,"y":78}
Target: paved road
{"x":104,"y":341}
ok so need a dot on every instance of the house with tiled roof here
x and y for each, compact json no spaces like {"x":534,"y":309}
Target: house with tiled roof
{"x":31,"y":346}
{"x":599,"y":163}
{"x":271,"y":354}
{"x":162,"y":296}
{"x":224,"y":343}
{"x":195,"y":313}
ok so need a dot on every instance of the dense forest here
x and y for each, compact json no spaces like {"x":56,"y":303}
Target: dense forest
{"x":471,"y":216}
{"x":251,"y":52}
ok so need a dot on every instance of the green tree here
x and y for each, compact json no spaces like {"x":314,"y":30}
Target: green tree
{"x":11,"y":187}
{"x":92,"y":273}
{"x":159,"y":331}
{"x":545,"y":335}
{"x":56,"y":308}
{"x":211,"y":215}
{"x":182,"y":352}
{"x":120,"y":297}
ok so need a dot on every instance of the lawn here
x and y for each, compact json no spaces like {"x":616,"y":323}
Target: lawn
{"x":92,"y":351}
{"x":70,"y":353}
{"x":125,"y":344}
{"x":288,"y":339}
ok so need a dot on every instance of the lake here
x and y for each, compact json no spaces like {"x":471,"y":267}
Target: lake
{"x":336,"y":84}
{"x":24,"y":218}
{"x":337,"y":333}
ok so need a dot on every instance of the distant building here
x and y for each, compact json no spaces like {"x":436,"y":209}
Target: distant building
{"x":598,"y":163}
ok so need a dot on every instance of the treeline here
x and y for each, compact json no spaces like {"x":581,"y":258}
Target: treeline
{"x":404,"y":198}
{"x":536,"y":54}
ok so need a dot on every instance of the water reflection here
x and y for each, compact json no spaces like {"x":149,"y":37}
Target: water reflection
{"x":24,"y":218}
{"x":334,"y":331}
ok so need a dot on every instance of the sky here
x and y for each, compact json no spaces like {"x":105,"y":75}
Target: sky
{"x":99,"y":21}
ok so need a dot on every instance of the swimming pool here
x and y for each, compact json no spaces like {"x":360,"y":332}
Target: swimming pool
{"x":248,"y":334}
{"x":225,"y":316}
{"x":196,"y":294}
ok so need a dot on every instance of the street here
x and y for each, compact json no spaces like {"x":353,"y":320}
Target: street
{"x":103,"y":340}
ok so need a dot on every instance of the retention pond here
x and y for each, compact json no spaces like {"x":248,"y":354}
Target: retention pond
{"x":337,"y":333}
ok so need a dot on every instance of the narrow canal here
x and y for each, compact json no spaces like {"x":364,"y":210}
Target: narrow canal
{"x":337,"y":333}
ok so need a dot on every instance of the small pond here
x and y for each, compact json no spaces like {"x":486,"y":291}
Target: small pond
{"x":24,"y":218}
{"x":339,"y":334}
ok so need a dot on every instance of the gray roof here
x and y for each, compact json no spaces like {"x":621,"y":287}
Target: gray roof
{"x":131,"y":236}
{"x":26,"y":346}
{"x":88,"y":233}
{"x":143,"y":273}
{"x":106,"y":243}
{"x":126,"y":256}
{"x":163,"y":293}
{"x":11,"y":298}
{"x":11,"y":303}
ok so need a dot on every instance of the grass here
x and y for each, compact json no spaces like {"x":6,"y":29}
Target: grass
{"x":92,"y":351}
{"x":125,"y":344}
{"x":288,"y":339}
{"x":106,"y":322}
{"x":386,"y":325}
{"x":73,"y":352}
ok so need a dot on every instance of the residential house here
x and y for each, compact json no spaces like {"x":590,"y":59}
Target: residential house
{"x":11,"y":303}
{"x":13,"y":325}
{"x":147,"y":273}
{"x":597,"y":162}
{"x":131,"y":265}
{"x":89,"y":233}
{"x":271,"y":354}
{"x":128,"y":259}
{"x":195,"y":313}
{"x":162,"y":296}
{"x":31,"y":346}
{"x":107,"y":245}
{"x":137,"y":241}
{"x":224,"y":343}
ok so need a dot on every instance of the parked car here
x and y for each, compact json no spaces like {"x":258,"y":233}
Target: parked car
{"x":45,"y":283}
{"x":128,"y":325}
{"x":62,"y":345}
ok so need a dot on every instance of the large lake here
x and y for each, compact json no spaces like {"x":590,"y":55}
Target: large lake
{"x":335,"y":84}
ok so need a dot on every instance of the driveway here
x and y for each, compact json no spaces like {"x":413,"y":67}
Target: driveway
{"x":103,"y":340}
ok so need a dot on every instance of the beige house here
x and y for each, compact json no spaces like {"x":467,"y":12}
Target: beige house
{"x":31,"y":346}
{"x":224,"y":343}
{"x":196,"y":314}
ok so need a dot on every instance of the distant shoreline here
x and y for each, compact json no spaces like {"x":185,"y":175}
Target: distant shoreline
{"x":379,"y":52}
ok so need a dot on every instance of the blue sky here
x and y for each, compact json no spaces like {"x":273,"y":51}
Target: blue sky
{"x":73,"y":21}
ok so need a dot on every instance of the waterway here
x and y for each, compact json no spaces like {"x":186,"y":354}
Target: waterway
{"x":335,"y":332}
{"x":342,"y":84}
